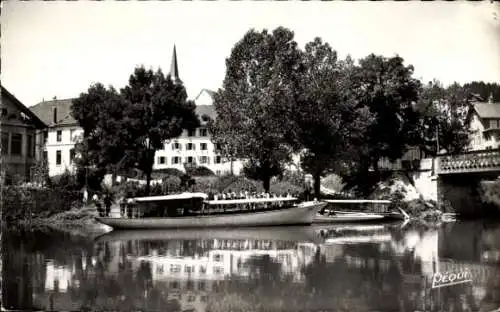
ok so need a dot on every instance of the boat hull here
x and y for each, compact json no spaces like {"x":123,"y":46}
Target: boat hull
{"x":345,"y":218}
{"x":302,"y":214}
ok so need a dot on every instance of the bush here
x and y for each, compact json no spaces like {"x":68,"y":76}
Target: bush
{"x":200,"y":172}
{"x":282,"y":188}
{"x":65,"y":181}
{"x":22,"y":203}
{"x":166,"y":172}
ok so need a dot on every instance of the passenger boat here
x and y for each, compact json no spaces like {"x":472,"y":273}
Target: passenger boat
{"x":189,"y":210}
{"x":358,"y":210}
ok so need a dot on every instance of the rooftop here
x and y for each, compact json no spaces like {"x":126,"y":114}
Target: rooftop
{"x":487,"y":110}
{"x":45,"y":111}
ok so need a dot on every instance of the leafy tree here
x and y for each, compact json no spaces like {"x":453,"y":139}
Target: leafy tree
{"x":255,"y":104}
{"x":328,"y":117}
{"x":157,"y":110}
{"x":387,"y":88}
{"x":444,"y":118}
{"x":100,"y":112}
{"x":125,"y":129}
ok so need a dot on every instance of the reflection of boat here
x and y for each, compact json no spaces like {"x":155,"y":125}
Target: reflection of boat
{"x":359,"y":239}
{"x":282,"y":233}
{"x":340,"y":216}
{"x":193,"y":210}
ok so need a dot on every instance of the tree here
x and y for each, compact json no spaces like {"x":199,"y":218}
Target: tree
{"x":255,"y":104}
{"x":444,"y":118}
{"x":125,"y":129}
{"x":327,"y":116}
{"x":387,"y":88}
{"x":100,"y":112}
{"x":157,"y":110}
{"x":484,"y":90}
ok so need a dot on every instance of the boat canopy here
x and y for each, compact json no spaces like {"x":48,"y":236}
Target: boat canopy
{"x":357,"y":201}
{"x":186,"y":195}
{"x":249,"y":201}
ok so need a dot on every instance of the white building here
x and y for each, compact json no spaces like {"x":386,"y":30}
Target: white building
{"x":484,"y":123}
{"x":61,"y":135}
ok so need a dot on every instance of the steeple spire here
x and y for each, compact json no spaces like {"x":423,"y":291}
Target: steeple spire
{"x":174,"y":70}
{"x":490,"y":98}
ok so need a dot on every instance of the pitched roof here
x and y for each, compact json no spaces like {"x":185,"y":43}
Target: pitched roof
{"x":36,"y":120}
{"x":44,"y":111}
{"x":487,"y":110}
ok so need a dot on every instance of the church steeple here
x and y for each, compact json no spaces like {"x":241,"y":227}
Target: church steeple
{"x":490,"y":98}
{"x":174,"y":70}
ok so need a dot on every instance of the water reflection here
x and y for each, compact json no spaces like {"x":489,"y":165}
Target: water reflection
{"x":344,"y":268}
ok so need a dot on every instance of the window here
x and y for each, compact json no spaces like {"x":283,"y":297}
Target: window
{"x":218,"y":270}
{"x":201,"y":285}
{"x":174,"y":284}
{"x":190,"y":146}
{"x":203,"y":146}
{"x":191,"y":298}
{"x":159,"y":269}
{"x":203,"y":269}
{"x":45,"y":137}
{"x":190,"y":160}
{"x":16,"y":144}
{"x":71,"y":155}
{"x":204,"y":160}
{"x":191,"y":133}
{"x":176,"y":146}
{"x":5,"y":143}
{"x":161,"y":160}
{"x":58,"y":158}
{"x":218,"y":159}
{"x":45,"y":156}
{"x":218,"y":147}
{"x":218,"y":258}
{"x":71,"y":135}
{"x":203,"y":132}
{"x":59,"y":135}
{"x":4,"y":112}
{"x":189,"y":285}
{"x":176,"y":160}
{"x":218,"y":172}
{"x":188,"y":269}
{"x":175,"y":268}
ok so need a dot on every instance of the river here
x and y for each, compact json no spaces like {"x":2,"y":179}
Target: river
{"x":317,"y":268}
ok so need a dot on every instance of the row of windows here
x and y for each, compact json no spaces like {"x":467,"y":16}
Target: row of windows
{"x":59,"y":156}
{"x":16,"y":144}
{"x":492,"y":124}
{"x":202,"y":132}
{"x":176,"y":268}
{"x":59,"y":135}
{"x":190,"y":146}
{"x":176,"y":160}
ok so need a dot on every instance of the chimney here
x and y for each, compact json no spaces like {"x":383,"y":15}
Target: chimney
{"x":54,"y":114}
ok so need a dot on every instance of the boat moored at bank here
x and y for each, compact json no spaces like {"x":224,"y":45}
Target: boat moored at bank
{"x":194,"y":210}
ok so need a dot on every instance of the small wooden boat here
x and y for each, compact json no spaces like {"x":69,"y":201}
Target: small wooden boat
{"x":188,"y":210}
{"x":358,"y":210}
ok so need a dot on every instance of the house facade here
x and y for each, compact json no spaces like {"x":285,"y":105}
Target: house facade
{"x":20,"y":130}
{"x":60,"y":136}
{"x":484,"y":124}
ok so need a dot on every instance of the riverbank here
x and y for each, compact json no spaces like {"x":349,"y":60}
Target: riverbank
{"x":76,"y":221}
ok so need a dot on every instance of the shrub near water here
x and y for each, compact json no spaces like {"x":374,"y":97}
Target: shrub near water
{"x":23,"y":203}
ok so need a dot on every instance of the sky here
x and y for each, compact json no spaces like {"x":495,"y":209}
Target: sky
{"x":59,"y":48}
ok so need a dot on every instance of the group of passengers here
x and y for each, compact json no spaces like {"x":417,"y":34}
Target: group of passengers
{"x":245,"y":195}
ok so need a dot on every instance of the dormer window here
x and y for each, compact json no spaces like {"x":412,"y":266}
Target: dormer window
{"x":203,"y":132}
{"x":191,"y":133}
{"x":59,"y":135}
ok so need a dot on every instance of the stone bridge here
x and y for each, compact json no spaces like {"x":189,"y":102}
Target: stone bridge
{"x":461,"y":181}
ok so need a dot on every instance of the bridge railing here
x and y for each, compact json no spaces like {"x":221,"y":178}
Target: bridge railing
{"x":469,"y":161}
